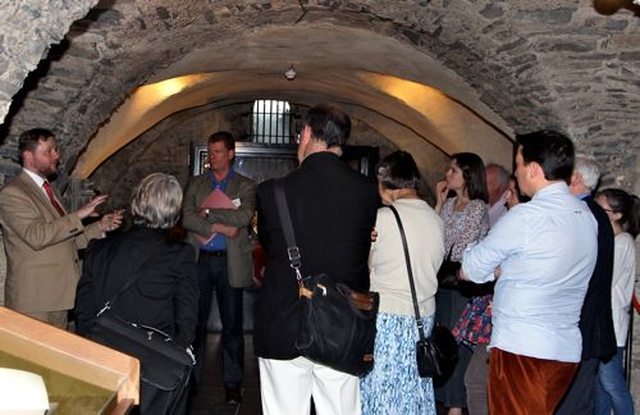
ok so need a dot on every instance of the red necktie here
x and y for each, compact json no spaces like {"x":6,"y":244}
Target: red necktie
{"x":54,"y":202}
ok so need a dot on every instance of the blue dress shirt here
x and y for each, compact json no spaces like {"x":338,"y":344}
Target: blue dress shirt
{"x":218,"y":243}
{"x":546,"y":250}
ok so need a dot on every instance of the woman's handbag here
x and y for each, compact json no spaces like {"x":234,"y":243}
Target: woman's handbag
{"x":338,"y":325}
{"x":165,"y":367}
{"x":448,"y":273}
{"x":437,"y":355}
{"x":448,"y":279}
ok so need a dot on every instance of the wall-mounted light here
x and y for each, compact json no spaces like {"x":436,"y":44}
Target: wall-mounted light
{"x":290,"y":73}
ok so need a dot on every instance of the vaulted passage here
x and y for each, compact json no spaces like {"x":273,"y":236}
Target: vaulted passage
{"x":130,"y":87}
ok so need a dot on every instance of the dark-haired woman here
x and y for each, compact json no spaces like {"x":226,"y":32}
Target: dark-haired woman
{"x":394,"y":386}
{"x":623,"y":211}
{"x":466,"y":220}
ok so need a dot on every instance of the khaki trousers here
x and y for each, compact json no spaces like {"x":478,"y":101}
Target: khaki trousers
{"x":57,"y":319}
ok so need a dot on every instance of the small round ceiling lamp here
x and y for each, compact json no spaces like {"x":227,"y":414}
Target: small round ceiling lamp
{"x":290,"y":74}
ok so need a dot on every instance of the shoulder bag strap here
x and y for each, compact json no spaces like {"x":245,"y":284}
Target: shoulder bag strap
{"x":293,"y":251}
{"x":110,"y":303}
{"x":412,"y":284}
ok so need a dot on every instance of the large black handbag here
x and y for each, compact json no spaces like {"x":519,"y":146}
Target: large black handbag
{"x":436,"y":355}
{"x":338,"y":325}
{"x":165,"y":367}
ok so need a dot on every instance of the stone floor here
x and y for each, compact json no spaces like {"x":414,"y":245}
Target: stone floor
{"x":210,"y":399}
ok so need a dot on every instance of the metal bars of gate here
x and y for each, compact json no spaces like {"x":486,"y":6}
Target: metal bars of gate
{"x":272,"y":122}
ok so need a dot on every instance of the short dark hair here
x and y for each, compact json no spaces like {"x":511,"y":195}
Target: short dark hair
{"x":398,"y":170}
{"x":474,"y":175}
{"x":553,"y":151}
{"x":329,"y":124}
{"x":224,"y":136}
{"x":28,"y":140}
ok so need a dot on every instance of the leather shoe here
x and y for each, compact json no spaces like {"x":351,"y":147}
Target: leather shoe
{"x":232,"y":396}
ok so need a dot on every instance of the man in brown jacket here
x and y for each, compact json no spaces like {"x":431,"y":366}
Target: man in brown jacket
{"x":41,"y":238}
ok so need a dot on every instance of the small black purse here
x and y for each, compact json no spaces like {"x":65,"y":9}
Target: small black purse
{"x":437,"y":355}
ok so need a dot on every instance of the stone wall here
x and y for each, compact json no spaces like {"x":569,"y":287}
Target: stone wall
{"x":40,"y":23}
{"x":537,"y":64}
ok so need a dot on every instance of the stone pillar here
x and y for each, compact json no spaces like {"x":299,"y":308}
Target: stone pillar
{"x":3,"y":258}
{"x":29,"y":28}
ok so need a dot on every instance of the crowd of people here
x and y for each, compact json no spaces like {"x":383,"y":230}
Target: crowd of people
{"x":533,"y":272}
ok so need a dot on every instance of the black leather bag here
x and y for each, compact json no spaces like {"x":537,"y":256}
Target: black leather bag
{"x":338,"y":325}
{"x":438,"y":354}
{"x":163,"y":364}
{"x":165,"y":367}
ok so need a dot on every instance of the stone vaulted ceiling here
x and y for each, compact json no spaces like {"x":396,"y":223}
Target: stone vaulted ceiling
{"x":497,"y":67}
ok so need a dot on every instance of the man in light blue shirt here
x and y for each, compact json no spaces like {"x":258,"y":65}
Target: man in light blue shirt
{"x":542,"y":254}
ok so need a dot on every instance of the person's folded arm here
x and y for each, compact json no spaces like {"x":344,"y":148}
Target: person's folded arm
{"x":480,"y":261}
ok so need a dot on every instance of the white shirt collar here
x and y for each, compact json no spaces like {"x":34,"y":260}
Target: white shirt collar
{"x":39,"y":180}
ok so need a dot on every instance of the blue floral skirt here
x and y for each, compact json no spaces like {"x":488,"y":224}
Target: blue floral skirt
{"x":393,"y":386}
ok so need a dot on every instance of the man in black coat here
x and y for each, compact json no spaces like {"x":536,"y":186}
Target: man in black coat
{"x":333,"y":210}
{"x":596,"y":322}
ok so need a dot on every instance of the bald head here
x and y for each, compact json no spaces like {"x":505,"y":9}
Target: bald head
{"x":497,"y":181}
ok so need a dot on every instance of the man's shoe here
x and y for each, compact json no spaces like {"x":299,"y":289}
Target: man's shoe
{"x":232,"y":396}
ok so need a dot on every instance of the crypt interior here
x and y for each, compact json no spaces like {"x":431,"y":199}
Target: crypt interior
{"x":134,"y":87}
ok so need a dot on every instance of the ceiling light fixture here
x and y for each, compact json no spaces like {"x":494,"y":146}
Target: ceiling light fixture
{"x":290,"y":73}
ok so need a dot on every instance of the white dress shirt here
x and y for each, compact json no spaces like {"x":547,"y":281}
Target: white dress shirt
{"x":498,"y":209}
{"x":624,"y":272}
{"x":546,"y":250}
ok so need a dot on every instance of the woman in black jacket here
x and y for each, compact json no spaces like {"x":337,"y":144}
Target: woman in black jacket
{"x":165,"y":296}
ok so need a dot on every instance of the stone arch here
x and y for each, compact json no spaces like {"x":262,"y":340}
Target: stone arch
{"x":558,"y":64}
{"x":439,"y":107}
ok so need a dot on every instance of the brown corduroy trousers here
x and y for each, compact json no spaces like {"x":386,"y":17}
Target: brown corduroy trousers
{"x":521,"y":385}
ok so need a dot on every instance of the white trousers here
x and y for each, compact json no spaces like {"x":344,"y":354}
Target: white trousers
{"x":287,"y":386}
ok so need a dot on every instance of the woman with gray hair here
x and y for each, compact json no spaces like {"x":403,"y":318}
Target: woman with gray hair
{"x":165,"y":296}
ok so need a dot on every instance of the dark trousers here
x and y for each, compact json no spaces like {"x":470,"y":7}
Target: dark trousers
{"x":451,"y":392}
{"x":579,"y":399}
{"x":213,"y":276}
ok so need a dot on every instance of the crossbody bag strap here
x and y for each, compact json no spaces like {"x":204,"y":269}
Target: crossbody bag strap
{"x":111,"y":302}
{"x":293,"y":251}
{"x":412,"y":284}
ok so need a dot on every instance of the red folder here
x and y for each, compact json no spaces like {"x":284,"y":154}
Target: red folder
{"x":216,"y":200}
